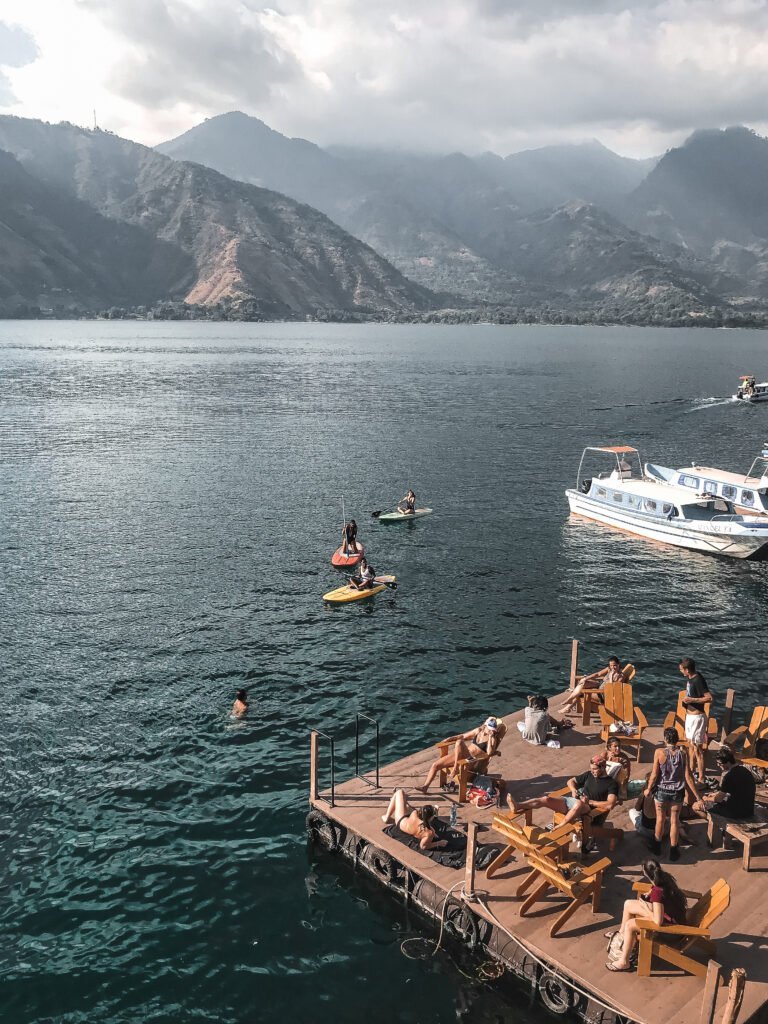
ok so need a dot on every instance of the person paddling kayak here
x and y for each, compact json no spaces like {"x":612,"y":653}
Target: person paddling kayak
{"x":408,"y":505}
{"x":349,"y":538}
{"x":363,"y":578}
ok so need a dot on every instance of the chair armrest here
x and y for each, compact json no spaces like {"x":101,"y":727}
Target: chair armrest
{"x":565,"y":791}
{"x":599,"y":865}
{"x":647,"y":925}
{"x":642,"y":721}
{"x":735,"y":734}
{"x":641,"y":887}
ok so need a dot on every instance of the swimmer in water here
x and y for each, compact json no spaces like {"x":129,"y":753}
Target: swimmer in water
{"x":241,"y":704}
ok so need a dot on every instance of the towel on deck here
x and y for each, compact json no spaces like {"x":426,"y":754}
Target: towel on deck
{"x":454,"y":855}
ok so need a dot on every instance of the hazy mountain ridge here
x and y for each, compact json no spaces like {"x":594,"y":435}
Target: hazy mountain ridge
{"x":245,"y":242}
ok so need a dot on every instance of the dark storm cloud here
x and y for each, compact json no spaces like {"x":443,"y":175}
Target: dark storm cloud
{"x":200,"y":55}
{"x":17,"y":48}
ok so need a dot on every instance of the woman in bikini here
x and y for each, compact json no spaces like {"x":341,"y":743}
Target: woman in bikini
{"x":612,"y":673}
{"x":482,"y":740}
{"x":413,"y":821}
{"x":664,"y":904}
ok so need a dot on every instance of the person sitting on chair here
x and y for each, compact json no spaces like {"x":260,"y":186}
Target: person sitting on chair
{"x":734,"y":798}
{"x":593,"y":794}
{"x":618,"y":765}
{"x":413,"y":821}
{"x":664,"y":904}
{"x":482,"y":740}
{"x":612,"y":673}
{"x":364,"y":577}
{"x":408,"y":505}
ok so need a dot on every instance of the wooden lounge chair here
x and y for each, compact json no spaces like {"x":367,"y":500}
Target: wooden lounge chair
{"x":590,"y":828}
{"x":594,"y":695}
{"x":468,"y":767}
{"x":676,"y":720}
{"x":670,"y":942}
{"x":748,"y":736}
{"x":569,"y":877}
{"x":526,"y":838}
{"x":618,"y":706}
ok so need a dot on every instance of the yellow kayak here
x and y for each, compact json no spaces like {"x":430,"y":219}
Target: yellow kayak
{"x":343,"y":595}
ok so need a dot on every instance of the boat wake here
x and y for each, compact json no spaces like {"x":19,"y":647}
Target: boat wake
{"x":711,"y":402}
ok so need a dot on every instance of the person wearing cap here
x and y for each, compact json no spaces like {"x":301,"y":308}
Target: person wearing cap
{"x":592,"y":793}
{"x":482,"y":740}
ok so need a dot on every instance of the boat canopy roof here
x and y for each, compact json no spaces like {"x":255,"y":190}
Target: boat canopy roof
{"x":723,"y":476}
{"x":657,"y":490}
{"x":617,"y":449}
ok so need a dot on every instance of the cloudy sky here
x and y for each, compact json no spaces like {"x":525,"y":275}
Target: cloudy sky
{"x":442,"y":74}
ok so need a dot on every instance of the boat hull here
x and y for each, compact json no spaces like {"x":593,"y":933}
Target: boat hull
{"x":722,"y":540}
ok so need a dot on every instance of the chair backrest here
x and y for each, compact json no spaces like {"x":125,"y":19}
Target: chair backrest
{"x":618,"y":702}
{"x":710,"y":905}
{"x":758,"y":729}
{"x":629,"y":672}
{"x":501,"y":732}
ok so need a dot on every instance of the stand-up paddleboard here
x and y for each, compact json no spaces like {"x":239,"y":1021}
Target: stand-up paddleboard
{"x":398,"y":517}
{"x":341,"y":561}
{"x":343,"y":595}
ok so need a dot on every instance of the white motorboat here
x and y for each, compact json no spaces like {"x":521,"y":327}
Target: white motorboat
{"x":748,"y":492}
{"x":748,"y":390}
{"x":624,"y":498}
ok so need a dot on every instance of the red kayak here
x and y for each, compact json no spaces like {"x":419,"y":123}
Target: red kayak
{"x":341,"y":561}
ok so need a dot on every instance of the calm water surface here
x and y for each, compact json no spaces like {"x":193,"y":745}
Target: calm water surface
{"x":170,"y":502}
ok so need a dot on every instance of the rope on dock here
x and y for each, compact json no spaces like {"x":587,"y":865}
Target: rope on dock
{"x":550,"y":969}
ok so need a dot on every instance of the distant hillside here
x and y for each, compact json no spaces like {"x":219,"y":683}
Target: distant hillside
{"x":58,"y":253}
{"x":711,"y":196}
{"x":244,"y":243}
{"x":455,"y":224}
{"x":553,"y":175}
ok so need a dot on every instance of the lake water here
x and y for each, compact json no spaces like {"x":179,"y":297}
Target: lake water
{"x":171,"y":496}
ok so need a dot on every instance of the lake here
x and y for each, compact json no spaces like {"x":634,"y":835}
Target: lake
{"x":172,"y":494}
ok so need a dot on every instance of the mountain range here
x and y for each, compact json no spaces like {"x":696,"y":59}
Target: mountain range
{"x":234,"y":216}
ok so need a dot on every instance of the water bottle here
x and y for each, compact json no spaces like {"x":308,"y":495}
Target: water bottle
{"x":452,"y":819}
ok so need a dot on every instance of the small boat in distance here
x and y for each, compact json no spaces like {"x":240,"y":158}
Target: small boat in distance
{"x":748,"y":492}
{"x":625,"y":498}
{"x":748,"y":390}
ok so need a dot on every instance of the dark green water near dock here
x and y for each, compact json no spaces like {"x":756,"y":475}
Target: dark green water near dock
{"x":170,"y":502}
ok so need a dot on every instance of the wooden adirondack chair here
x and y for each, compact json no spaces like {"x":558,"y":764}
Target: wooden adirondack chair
{"x":590,"y":828}
{"x":676,"y":720}
{"x":594,"y":696}
{"x":468,"y":767}
{"x":569,"y":877}
{"x":618,"y":706}
{"x":670,"y":942}
{"x":526,"y":838}
{"x":748,"y":737}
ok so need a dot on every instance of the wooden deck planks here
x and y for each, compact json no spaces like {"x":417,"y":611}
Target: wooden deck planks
{"x":580,"y":950}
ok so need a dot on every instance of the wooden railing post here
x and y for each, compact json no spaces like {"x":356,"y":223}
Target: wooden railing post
{"x":469,"y":871}
{"x":574,"y":663}
{"x":727,"y":714}
{"x":709,"y":998}
{"x":735,"y":995}
{"x":313,"y":746}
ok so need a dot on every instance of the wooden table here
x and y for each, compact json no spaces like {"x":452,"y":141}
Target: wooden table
{"x":751,"y":834}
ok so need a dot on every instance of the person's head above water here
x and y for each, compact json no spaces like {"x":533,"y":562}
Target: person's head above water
{"x":242,"y":696}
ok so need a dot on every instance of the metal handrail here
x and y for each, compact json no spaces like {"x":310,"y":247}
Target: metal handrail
{"x":333,"y":764}
{"x":373,"y":721}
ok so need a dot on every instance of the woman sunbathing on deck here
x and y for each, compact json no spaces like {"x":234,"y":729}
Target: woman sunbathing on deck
{"x":664,"y":904}
{"x":482,"y":740}
{"x":413,"y":821}
{"x":612,"y":673}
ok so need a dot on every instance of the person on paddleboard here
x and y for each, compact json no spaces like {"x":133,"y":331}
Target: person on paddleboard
{"x":363,"y":578}
{"x":408,"y":505}
{"x":349,"y":538}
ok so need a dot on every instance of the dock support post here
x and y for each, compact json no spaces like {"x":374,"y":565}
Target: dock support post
{"x":469,"y":871}
{"x":727,"y":714}
{"x":313,"y":766}
{"x":709,"y":998}
{"x":735,"y":995}
{"x":574,"y":663}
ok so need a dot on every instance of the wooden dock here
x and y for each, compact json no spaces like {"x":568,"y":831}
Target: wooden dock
{"x":579,"y":951}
